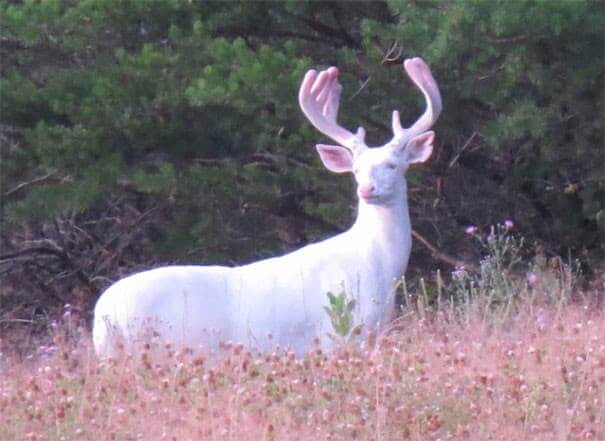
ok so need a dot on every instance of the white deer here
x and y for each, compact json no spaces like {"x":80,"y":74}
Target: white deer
{"x":280,"y":301}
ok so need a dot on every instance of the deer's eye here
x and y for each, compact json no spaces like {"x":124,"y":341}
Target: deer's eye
{"x":391,"y":165}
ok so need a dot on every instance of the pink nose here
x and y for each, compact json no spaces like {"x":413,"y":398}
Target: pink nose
{"x":366,"y":190}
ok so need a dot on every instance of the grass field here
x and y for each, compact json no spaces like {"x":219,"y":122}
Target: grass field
{"x":540,"y":377}
{"x":510,"y":352}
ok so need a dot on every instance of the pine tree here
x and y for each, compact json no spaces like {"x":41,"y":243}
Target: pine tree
{"x":135,"y":133}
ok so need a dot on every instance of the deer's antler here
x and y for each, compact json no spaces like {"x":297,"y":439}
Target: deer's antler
{"x":319,"y":97}
{"x":421,"y":75}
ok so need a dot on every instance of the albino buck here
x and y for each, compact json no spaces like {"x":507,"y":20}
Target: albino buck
{"x":280,"y":301}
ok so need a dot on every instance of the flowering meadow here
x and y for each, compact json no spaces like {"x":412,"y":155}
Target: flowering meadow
{"x":541,"y":378}
{"x":509,"y":351}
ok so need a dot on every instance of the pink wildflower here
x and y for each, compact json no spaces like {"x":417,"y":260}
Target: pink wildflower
{"x":532,"y":279}
{"x":471,"y":230}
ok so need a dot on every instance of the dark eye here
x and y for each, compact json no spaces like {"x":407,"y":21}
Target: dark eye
{"x":391,"y":166}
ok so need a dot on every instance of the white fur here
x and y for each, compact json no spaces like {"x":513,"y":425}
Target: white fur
{"x":281,"y":300}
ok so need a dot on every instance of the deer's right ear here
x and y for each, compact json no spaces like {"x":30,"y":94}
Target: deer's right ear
{"x":336,"y":158}
{"x":419,"y":148}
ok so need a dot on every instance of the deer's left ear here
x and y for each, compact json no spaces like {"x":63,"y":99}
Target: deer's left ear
{"x":419,"y":148}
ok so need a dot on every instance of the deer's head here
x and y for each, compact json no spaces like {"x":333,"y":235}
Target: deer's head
{"x":379,"y":171}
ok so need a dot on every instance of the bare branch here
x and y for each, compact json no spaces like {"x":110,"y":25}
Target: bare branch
{"x":464,"y":147}
{"x":394,"y":55}
{"x":515,"y":38}
{"x":360,"y":89}
{"x":26,"y":184}
{"x":442,"y":256}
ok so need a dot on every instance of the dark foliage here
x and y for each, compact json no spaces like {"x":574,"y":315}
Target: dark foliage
{"x":135,"y":133}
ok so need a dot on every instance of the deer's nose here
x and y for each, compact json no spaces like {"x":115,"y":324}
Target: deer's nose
{"x":366,"y":190}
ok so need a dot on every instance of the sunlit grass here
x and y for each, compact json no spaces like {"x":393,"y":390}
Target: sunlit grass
{"x":541,"y":378}
{"x":514,"y":351}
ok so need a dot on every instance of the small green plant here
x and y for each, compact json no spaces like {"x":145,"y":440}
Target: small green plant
{"x":340,"y":311}
{"x":495,"y":285}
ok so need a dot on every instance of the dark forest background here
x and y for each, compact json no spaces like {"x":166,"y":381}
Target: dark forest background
{"x":138,"y":133}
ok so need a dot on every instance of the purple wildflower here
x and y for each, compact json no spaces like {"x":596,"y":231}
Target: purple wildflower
{"x":459,"y":273}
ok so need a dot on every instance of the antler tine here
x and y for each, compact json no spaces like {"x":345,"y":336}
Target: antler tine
{"x":420,"y":73}
{"x":398,"y":130}
{"x":319,"y":99}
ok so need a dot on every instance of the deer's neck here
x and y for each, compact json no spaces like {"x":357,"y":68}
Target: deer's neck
{"x":385,"y":232}
{"x":381,"y":237}
{"x":388,"y":223}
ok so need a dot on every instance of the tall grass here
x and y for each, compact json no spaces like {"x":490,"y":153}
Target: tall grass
{"x":512,"y":352}
{"x":507,"y":281}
